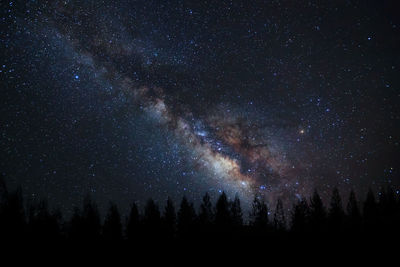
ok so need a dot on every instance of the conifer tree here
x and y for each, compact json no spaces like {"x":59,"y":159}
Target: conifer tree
{"x":317,"y":213}
{"x":279,"y":216}
{"x":151,"y":222}
{"x":353,"y":211}
{"x":186,"y":217}
{"x":223,"y":216}
{"x":112,"y":228}
{"x":259,"y":213}
{"x":336,"y":212}
{"x":90,"y":220}
{"x":300,"y":216}
{"x":169,"y":218}
{"x":370,"y":211}
{"x":206,"y":215}
{"x":133,"y":223}
{"x":236,"y":211}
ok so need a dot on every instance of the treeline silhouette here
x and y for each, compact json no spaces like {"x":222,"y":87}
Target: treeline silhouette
{"x":307,"y":221}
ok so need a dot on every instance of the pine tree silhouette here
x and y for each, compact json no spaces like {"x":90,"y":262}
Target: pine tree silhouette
{"x":353,"y":213}
{"x":206,"y":218}
{"x":259,"y":214}
{"x":300,"y":216}
{"x":370,"y":211}
{"x":112,"y":228}
{"x":132,"y":224}
{"x":378,"y":220}
{"x":336,"y":213}
{"x":236,"y":211}
{"x":390,"y":210}
{"x":223,"y":218}
{"x":90,"y":220}
{"x":151,"y":213}
{"x":186,"y":218}
{"x":152,"y":221}
{"x":169,"y":219}
{"x":387,"y":210}
{"x":206,"y":215}
{"x":317,"y":213}
{"x":75,"y":230}
{"x":279,"y":217}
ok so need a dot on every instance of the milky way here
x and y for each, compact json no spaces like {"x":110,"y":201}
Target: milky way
{"x":135,"y":99}
{"x":234,"y":155}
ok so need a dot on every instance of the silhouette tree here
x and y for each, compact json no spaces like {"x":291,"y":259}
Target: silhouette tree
{"x":370,"y":211}
{"x":279,"y":217}
{"x":151,"y":213}
{"x":169,"y":219}
{"x":390,"y":202}
{"x":336,"y":212}
{"x":152,"y":221}
{"x":353,"y":213}
{"x":300,"y":216}
{"x":379,"y":219}
{"x":90,"y":220}
{"x":58,"y":223}
{"x":259,"y":214}
{"x":236,"y":211}
{"x":387,"y":210}
{"x":75,"y":230}
{"x":112,"y":228}
{"x":186,"y":217}
{"x":132,"y":223}
{"x":223,"y":218}
{"x":206,"y":215}
{"x":317,"y":213}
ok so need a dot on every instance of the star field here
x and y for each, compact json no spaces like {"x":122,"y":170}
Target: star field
{"x":136,"y":99}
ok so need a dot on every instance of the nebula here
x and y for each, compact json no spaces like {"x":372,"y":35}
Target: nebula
{"x":228,"y":152}
{"x":207,"y":159}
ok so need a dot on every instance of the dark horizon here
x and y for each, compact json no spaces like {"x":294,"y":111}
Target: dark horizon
{"x":375,"y":216}
{"x":125,"y":208}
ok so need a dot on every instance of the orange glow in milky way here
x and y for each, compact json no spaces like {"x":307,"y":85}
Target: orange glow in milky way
{"x":223,"y":168}
{"x":267,"y":169}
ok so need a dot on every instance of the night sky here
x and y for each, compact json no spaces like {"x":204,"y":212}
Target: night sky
{"x":129,"y":100}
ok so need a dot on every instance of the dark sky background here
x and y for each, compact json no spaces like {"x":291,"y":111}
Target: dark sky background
{"x":135,"y":99}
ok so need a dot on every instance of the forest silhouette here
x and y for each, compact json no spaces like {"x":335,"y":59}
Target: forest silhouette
{"x":351,"y":222}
